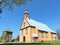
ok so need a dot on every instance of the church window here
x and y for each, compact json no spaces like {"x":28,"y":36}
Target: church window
{"x":42,"y":34}
{"x":46,"y":35}
{"x":24,"y":24}
{"x":22,"y":32}
{"x":26,"y":30}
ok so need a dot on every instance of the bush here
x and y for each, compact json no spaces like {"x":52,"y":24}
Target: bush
{"x":13,"y":40}
{"x":42,"y":41}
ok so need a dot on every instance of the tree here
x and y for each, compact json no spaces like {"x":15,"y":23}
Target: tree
{"x":13,"y":40}
{"x":58,"y":33}
{"x":9,"y":4}
{"x":18,"y":37}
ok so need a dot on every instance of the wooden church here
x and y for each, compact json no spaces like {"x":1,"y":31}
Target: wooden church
{"x":34,"y":31}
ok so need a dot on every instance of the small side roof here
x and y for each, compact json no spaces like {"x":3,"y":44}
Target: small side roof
{"x":39,"y":25}
{"x":7,"y":30}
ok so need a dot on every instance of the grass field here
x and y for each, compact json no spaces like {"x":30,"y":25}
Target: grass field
{"x":49,"y":43}
{"x":26,"y":44}
{"x":55,"y":43}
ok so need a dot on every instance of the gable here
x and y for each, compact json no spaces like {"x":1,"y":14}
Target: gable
{"x":24,"y":24}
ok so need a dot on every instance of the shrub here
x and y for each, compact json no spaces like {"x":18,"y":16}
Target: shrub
{"x":42,"y":41}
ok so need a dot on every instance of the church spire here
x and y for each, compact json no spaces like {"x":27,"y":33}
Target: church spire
{"x":26,"y":14}
{"x":26,"y":11}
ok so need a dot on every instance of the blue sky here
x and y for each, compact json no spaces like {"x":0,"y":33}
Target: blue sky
{"x":45,"y":11}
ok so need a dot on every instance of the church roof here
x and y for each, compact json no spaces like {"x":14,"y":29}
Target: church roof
{"x":40,"y":26}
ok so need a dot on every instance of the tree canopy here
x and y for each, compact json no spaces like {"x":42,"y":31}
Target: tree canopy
{"x":9,"y":4}
{"x":58,"y":33}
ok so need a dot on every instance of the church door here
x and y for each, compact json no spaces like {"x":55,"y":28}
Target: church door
{"x":23,"y":38}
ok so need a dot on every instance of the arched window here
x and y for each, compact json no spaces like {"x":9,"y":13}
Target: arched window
{"x":24,"y":24}
{"x":22,"y":32}
{"x":26,"y":30}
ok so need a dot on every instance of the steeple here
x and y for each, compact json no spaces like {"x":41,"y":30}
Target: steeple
{"x":26,"y":14}
{"x":26,"y":11}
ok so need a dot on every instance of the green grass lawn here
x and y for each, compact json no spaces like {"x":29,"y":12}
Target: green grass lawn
{"x":55,"y":43}
{"x":25,"y":44}
{"x":48,"y":43}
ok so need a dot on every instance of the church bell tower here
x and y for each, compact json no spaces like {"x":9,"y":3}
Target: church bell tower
{"x":26,"y":14}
